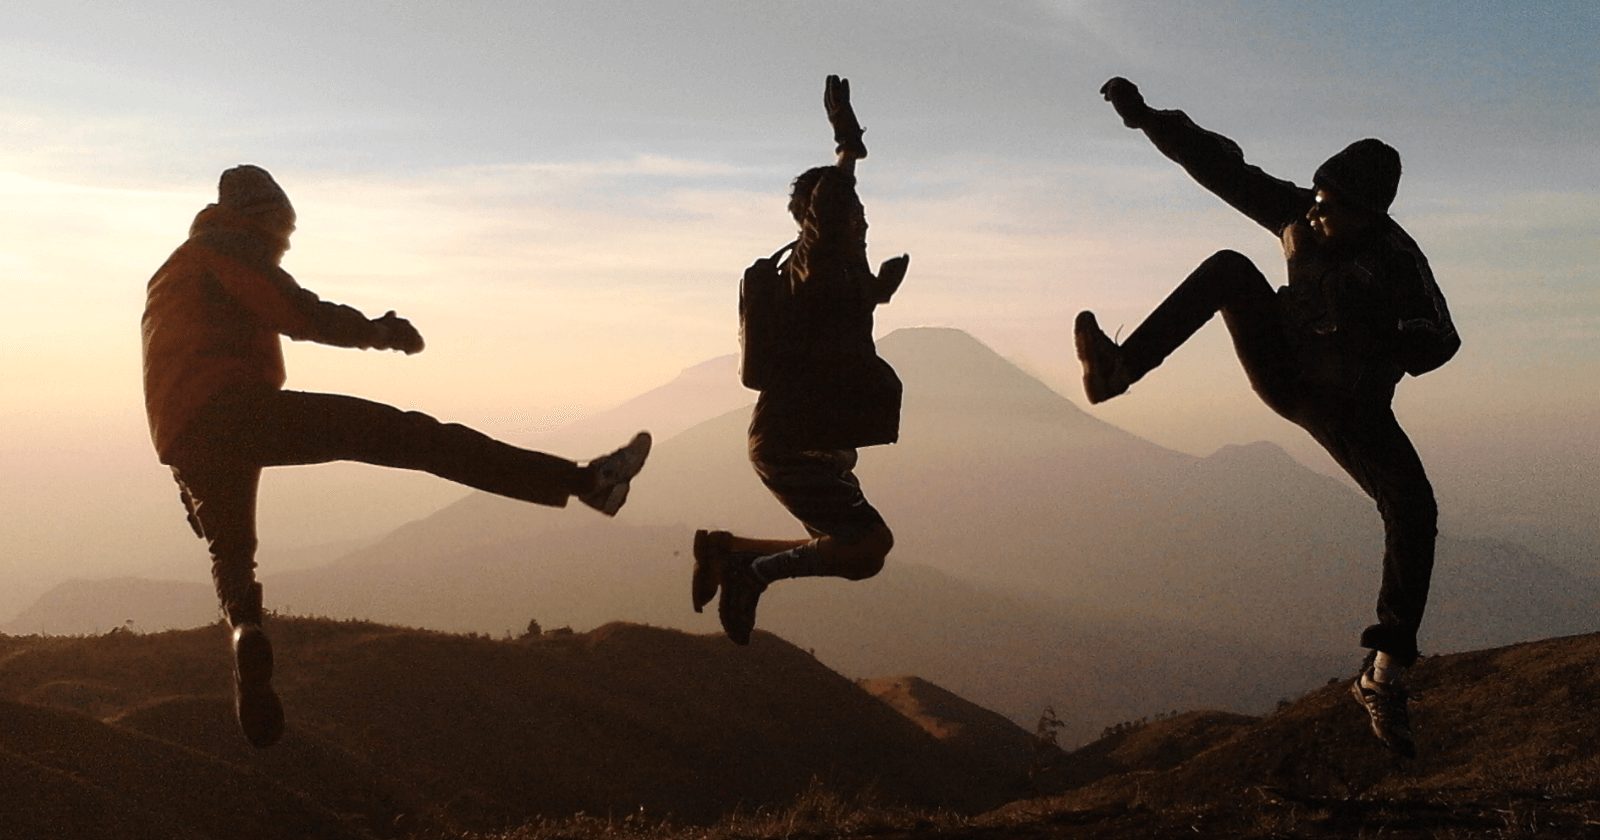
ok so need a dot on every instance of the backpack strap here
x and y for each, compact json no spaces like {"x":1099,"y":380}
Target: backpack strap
{"x":780,"y":254}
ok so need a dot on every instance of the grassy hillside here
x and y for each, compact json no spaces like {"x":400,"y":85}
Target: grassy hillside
{"x":1509,"y":743}
{"x":394,"y":731}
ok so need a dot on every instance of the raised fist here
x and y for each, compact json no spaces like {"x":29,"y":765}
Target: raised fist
{"x":396,"y":333}
{"x":1125,"y":97}
{"x":847,"y":130}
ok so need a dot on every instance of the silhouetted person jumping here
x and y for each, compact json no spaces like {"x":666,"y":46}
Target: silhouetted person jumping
{"x":213,"y":383}
{"x":824,"y":391}
{"x":1325,"y":352}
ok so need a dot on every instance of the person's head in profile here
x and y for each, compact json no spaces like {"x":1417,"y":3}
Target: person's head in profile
{"x":254,"y":201}
{"x":1354,"y":189}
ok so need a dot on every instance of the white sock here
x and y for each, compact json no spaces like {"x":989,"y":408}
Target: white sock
{"x":1384,"y":669}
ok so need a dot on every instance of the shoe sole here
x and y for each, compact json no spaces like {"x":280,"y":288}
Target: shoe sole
{"x":632,"y":458}
{"x":1085,"y":329}
{"x":256,"y":705}
{"x":707,"y":576}
{"x":739,"y":635}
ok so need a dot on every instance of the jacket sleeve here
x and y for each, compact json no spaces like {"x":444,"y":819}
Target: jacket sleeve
{"x":273,"y":296}
{"x":1218,"y":164}
{"x":1427,"y":336}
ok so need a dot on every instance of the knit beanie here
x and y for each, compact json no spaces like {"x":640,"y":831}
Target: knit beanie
{"x":250,"y":189}
{"x":1366,"y":173}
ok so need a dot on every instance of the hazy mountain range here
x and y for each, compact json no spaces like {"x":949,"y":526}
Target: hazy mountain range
{"x":1043,"y":556}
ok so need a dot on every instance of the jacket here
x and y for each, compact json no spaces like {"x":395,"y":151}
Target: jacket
{"x":213,"y":315}
{"x":1363,"y":314}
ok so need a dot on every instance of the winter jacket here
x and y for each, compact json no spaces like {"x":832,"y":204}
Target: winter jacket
{"x":213,"y":314}
{"x":1364,"y":313}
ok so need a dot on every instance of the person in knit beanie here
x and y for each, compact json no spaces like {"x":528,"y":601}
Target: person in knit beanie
{"x":1360,"y":311}
{"x":219,"y":413}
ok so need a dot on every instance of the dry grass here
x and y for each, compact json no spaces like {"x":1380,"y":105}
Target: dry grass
{"x":639,"y":732}
{"x":819,"y":812}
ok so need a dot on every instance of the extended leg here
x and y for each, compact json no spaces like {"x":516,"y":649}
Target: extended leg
{"x":1226,"y":282}
{"x":277,"y":428}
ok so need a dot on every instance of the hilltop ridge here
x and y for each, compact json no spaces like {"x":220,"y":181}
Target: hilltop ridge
{"x":401,"y":733}
{"x":397,"y":727}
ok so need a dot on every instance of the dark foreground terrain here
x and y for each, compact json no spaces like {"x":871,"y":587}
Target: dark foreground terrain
{"x":396,"y":731}
{"x":1509,"y":744}
{"x":632,"y":731}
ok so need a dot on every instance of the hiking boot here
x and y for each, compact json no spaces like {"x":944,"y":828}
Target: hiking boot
{"x":613,"y":472}
{"x":1386,"y":707}
{"x":1105,"y":375}
{"x":711,"y":549}
{"x":741,"y":590}
{"x":255,"y":703}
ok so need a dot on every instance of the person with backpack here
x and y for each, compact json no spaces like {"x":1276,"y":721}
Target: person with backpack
{"x":218,"y":411}
{"x":1361,"y":309}
{"x":806,"y":345}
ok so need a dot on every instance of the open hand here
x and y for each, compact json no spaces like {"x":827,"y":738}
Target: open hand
{"x":396,"y":333}
{"x":1125,"y":97}
{"x":890,"y":275}
{"x":847,"y":130}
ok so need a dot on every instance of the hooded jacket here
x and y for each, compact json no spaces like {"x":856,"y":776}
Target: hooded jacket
{"x":213,"y":314}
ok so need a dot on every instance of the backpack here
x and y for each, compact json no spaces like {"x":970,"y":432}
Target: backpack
{"x":762,"y":316}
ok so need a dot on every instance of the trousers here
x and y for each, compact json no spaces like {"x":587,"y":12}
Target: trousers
{"x":218,"y":459}
{"x":1355,"y":425}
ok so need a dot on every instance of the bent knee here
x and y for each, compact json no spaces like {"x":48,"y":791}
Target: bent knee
{"x":868,"y":554}
{"x":1231,"y":264}
{"x":1228,"y":258}
{"x":866,"y":568}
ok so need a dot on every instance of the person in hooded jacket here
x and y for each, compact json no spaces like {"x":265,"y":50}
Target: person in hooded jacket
{"x":218,"y":411}
{"x":828,"y":394}
{"x":1361,"y":310}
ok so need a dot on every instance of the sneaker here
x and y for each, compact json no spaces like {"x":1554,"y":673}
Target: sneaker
{"x":1386,"y":707}
{"x":711,"y":549}
{"x":613,"y":472}
{"x":255,"y":703}
{"x":741,"y":591}
{"x":1104,"y":374}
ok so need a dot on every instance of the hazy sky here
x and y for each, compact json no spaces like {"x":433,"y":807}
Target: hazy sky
{"x":562,"y":195}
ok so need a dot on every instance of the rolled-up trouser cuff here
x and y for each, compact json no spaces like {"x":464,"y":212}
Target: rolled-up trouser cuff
{"x":1399,"y":644}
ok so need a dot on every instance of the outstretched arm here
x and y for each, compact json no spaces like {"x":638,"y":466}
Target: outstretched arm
{"x":1216,"y":162}
{"x":278,"y":301}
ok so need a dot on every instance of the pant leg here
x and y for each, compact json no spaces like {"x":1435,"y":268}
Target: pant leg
{"x":1367,"y":441}
{"x":820,"y":488}
{"x":221,"y":500}
{"x":1229,"y":283}
{"x":280,"y":428}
